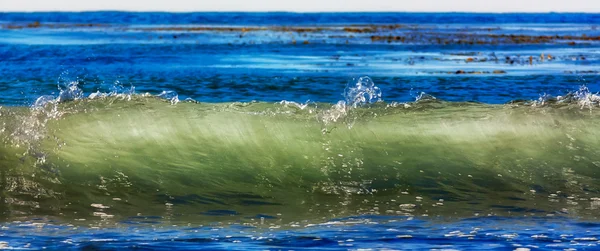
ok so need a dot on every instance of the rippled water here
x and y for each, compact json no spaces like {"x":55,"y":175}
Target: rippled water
{"x":299,"y":131}
{"x":489,"y":233}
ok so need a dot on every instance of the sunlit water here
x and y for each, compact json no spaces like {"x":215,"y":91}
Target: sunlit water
{"x":226,"y":131}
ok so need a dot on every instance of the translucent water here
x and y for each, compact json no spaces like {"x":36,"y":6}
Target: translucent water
{"x":232,"y":131}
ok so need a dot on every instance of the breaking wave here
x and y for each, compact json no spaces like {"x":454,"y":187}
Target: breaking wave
{"x":107,"y":155}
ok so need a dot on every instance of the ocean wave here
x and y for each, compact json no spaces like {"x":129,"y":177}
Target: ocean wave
{"x":129,"y":152}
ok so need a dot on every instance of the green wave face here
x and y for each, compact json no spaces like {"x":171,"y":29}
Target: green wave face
{"x":148,"y":157}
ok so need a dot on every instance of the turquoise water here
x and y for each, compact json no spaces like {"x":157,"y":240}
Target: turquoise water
{"x":221,"y":131}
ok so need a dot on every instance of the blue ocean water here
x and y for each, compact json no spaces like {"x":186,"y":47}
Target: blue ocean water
{"x":232,"y":63}
{"x":220,"y":66}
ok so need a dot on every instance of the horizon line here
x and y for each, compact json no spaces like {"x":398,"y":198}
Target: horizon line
{"x":300,"y":12}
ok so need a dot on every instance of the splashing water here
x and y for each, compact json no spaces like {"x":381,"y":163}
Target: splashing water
{"x":361,"y":92}
{"x":171,"y":96}
{"x":582,"y":97}
{"x":43,"y":100}
{"x":300,"y":106}
{"x":70,"y":92}
{"x":586,"y":98}
{"x":117,"y":90}
{"x":358,"y":92}
{"x":44,"y":109}
{"x":337,"y":111}
{"x":424,"y":97}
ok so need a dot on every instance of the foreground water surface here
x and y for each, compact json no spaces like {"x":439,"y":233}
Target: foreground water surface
{"x":299,"y":131}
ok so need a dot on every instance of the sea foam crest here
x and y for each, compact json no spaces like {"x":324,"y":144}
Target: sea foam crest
{"x":171,"y":96}
{"x":586,"y":98}
{"x":300,"y":106}
{"x":71,"y":91}
{"x":582,"y":97}
{"x":68,"y":92}
{"x":45,"y":108}
{"x":117,"y":90}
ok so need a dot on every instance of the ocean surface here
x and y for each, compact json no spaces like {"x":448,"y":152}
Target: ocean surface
{"x":289,"y":131}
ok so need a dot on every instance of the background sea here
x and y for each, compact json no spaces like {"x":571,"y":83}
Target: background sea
{"x":290,"y":131}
